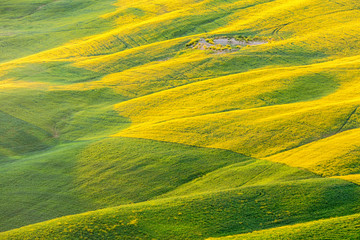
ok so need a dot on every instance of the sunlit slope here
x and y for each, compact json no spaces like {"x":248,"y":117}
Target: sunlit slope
{"x":159,"y":21}
{"x":255,"y":131}
{"x":247,"y":90}
{"x":233,"y":112}
{"x":317,"y":25}
{"x":334,"y":228}
{"x":340,"y":158}
{"x":206,"y":215}
{"x":355,"y":178}
{"x":97,"y":53}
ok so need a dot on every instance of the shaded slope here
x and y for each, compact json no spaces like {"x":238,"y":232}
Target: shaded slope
{"x":86,"y":175}
{"x":120,"y":170}
{"x":18,"y":136}
{"x":249,"y":173}
{"x":40,"y":187}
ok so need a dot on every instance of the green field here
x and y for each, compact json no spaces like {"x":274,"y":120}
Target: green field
{"x":114,"y":124}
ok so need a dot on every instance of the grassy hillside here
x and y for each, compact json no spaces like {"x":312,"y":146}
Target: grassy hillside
{"x":200,"y":216}
{"x":334,"y":228}
{"x":115,"y":171}
{"x":342,"y":160}
{"x":113,"y":125}
{"x":29,"y":27}
{"x":86,"y":175}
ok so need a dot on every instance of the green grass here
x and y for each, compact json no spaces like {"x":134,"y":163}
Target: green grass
{"x":304,"y":88}
{"x":31,"y":27}
{"x":221,"y":213}
{"x":53,"y":72}
{"x":56,"y":116}
{"x":82,"y":176}
{"x":120,"y":170}
{"x":18,"y":136}
{"x":40,"y":186}
{"x":334,"y":228}
{"x":87,"y":175}
{"x":248,"y":173}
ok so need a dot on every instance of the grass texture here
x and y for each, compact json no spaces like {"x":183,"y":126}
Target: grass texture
{"x":334,"y":228}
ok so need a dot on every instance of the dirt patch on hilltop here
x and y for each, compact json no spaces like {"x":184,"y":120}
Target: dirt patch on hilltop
{"x":224,"y":44}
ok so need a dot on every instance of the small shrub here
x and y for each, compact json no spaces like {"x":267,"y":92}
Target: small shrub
{"x":210,"y":40}
{"x":193,"y":42}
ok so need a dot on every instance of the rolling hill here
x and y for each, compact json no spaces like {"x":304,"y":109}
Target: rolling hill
{"x":193,"y":119}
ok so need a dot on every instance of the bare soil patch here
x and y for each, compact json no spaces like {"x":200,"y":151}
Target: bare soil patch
{"x":224,"y":44}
